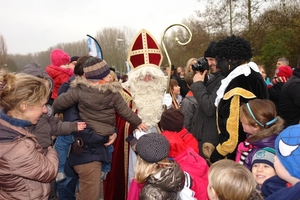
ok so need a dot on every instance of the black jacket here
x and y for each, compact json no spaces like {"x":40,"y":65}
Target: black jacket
{"x":239,"y":90}
{"x":289,"y":99}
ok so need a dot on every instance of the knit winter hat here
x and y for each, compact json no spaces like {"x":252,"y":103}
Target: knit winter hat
{"x":58,"y":57}
{"x":172,"y":120}
{"x":74,"y":58}
{"x":208,"y":52}
{"x":265,"y":155}
{"x":153,"y":147}
{"x":287,"y":146}
{"x":96,"y":68}
{"x":284,"y":71}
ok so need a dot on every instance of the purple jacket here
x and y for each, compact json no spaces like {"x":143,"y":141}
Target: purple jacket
{"x":258,"y":145}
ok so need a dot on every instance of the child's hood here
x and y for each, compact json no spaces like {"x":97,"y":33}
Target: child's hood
{"x":114,"y":87}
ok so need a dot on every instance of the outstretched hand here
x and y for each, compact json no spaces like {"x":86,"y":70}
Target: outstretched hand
{"x":142,"y":127}
{"x":111,"y":139}
{"x":81,"y":126}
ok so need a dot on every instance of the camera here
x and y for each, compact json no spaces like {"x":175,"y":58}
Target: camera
{"x":201,"y":65}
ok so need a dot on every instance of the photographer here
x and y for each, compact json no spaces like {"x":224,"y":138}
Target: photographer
{"x":204,"y":88}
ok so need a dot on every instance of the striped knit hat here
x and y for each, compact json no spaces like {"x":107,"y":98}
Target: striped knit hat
{"x":95,"y":68}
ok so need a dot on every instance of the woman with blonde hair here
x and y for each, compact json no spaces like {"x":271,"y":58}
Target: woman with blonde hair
{"x":188,"y":67}
{"x":26,"y":170}
{"x":229,"y":180}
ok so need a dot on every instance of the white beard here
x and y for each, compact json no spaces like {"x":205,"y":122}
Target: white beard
{"x":148,"y":96}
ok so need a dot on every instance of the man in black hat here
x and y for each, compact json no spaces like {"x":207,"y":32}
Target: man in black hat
{"x":204,"y":126}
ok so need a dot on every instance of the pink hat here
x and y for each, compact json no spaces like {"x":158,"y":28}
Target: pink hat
{"x":284,"y":71}
{"x":58,"y":57}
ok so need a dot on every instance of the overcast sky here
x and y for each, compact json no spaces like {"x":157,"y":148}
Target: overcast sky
{"x":30,"y":26}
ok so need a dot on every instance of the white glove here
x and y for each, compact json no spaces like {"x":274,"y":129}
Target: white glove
{"x":167,"y":100}
{"x":139,"y":134}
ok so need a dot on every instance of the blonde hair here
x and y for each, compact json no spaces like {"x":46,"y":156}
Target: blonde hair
{"x":231,"y":180}
{"x":113,"y":76}
{"x":143,"y":169}
{"x":188,"y":67}
{"x":18,"y":88}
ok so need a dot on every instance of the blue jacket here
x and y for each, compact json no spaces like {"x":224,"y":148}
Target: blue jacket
{"x":275,"y":188}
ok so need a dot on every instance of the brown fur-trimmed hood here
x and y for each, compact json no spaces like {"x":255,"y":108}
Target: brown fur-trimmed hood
{"x":114,"y":87}
{"x":267,"y":132}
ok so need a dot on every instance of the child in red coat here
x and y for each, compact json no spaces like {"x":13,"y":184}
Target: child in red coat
{"x":178,"y":136}
{"x":59,"y":69}
{"x":184,"y":150}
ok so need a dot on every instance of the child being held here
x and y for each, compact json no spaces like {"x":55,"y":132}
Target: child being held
{"x":262,"y":125}
{"x":230,"y":180}
{"x":59,"y":70}
{"x":263,"y":165}
{"x":286,"y":184}
{"x":97,"y":98}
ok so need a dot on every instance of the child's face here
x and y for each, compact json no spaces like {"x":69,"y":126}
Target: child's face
{"x":176,"y":90}
{"x":65,"y":66}
{"x":252,"y":130}
{"x":262,"y":172}
{"x":108,"y":78}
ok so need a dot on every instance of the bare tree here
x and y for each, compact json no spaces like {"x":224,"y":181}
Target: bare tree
{"x":115,"y":43}
{"x":3,"y":52}
{"x":232,"y":16}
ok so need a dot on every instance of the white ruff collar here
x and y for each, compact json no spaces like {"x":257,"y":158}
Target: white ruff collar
{"x":242,"y":69}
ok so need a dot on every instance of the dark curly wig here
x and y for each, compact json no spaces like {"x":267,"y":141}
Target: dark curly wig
{"x":232,"y":51}
{"x":233,"y":48}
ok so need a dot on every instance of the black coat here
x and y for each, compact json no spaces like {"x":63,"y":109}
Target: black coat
{"x":230,"y":129}
{"x":289,"y":99}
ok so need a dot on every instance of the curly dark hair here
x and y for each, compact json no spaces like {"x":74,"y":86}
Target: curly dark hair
{"x":233,"y":48}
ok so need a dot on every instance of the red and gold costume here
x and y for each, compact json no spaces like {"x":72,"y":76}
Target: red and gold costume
{"x":147,"y":85}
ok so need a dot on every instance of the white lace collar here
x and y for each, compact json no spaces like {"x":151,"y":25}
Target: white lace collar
{"x":242,"y":69}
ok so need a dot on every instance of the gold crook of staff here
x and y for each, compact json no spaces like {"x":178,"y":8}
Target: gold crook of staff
{"x":177,"y":40}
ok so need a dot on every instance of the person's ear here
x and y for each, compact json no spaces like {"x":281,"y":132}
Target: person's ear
{"x":214,"y":195}
{"x":23,"y":107}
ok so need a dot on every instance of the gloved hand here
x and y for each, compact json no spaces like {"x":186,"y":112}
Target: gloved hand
{"x":139,"y":133}
{"x":268,"y":82}
{"x":167,"y":100}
